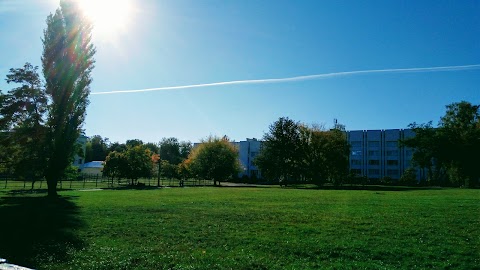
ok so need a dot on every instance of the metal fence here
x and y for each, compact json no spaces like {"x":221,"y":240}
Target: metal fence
{"x":86,"y":181}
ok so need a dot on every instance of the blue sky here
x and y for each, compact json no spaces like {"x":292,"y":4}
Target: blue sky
{"x":171,"y":43}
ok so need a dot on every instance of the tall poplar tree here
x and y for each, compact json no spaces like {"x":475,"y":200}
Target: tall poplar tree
{"x":67,"y":62}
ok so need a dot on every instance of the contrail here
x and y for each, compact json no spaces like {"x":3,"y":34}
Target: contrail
{"x":297,"y":78}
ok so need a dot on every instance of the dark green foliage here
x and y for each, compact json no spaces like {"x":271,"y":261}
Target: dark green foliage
{"x":115,"y":164}
{"x":281,"y":151}
{"x":134,"y":142}
{"x":461,"y":129}
{"x":292,"y":152}
{"x":325,"y":156}
{"x":449,"y":152}
{"x":153,"y":147}
{"x":174,"y":151}
{"x":96,"y":148}
{"x":67,"y":61}
{"x":215,"y":159}
{"x":116,"y":146}
{"x":134,"y":163}
{"x":22,"y":121}
{"x":169,"y":170}
{"x":409,"y":177}
{"x":139,"y":163}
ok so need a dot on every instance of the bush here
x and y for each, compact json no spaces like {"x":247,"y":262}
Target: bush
{"x":409,"y":177}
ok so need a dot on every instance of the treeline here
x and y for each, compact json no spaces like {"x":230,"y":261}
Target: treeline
{"x":135,"y":159}
{"x":213,"y":159}
{"x":449,"y":152}
{"x":293,"y":152}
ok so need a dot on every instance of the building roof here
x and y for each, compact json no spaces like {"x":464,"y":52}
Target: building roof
{"x":93,"y":164}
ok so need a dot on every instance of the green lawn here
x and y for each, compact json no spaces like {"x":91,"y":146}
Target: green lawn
{"x":243,"y":228}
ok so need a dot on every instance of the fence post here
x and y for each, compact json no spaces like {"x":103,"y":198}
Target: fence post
{"x":96,"y":181}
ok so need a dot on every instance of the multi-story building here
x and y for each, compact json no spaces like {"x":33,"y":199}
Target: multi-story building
{"x":247,"y":151}
{"x":377,"y":153}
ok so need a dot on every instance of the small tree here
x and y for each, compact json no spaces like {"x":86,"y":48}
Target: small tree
{"x":115,"y":165}
{"x":215,"y":159}
{"x":139,"y":163}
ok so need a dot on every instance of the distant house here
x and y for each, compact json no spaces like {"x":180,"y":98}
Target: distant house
{"x":93,"y":167}
{"x":78,"y":160}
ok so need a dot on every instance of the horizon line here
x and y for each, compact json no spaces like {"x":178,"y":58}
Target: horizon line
{"x":296,"y":78}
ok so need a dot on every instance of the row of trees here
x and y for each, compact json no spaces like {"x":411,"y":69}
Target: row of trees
{"x":293,"y":152}
{"x":41,"y":119}
{"x":450,"y":151}
{"x":135,"y":159}
{"x":214,"y":158}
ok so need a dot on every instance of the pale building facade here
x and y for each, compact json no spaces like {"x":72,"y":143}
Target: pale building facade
{"x":247,"y":151}
{"x":378,"y":154}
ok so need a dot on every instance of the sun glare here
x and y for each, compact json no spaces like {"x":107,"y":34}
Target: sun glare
{"x":109,"y":17}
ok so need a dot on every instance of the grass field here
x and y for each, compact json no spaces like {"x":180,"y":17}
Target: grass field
{"x":243,"y":228}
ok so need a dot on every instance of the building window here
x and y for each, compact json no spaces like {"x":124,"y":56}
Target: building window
{"x":392,"y":172}
{"x":356,"y":162}
{"x":391,"y":144}
{"x":374,"y":171}
{"x":373,"y":143}
{"x":356,"y":152}
{"x":374,"y":162}
{"x":392,"y":153}
{"x":356,"y":143}
{"x":373,"y":153}
{"x":392,"y":162}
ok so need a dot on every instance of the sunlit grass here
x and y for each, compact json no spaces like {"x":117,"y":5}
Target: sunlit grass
{"x":267,"y":228}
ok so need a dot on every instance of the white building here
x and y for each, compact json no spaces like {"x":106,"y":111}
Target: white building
{"x":247,"y":151}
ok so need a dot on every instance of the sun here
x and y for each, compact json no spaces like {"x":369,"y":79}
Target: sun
{"x":110,"y":18}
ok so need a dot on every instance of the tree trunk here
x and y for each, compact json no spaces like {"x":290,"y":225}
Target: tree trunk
{"x":52,"y":188}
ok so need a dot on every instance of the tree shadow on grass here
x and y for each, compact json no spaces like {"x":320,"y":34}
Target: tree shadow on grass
{"x":36,"y":228}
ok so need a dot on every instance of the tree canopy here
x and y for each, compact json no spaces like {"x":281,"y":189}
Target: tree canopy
{"x":292,"y":152}
{"x":214,"y":158}
{"x":174,"y":151}
{"x":133,"y":163}
{"x":22,"y":121}
{"x":448,"y":152}
{"x":96,"y":148}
